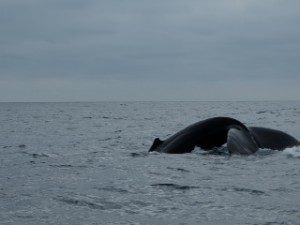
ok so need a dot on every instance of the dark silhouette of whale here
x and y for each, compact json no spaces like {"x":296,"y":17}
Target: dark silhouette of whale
{"x":217,"y":131}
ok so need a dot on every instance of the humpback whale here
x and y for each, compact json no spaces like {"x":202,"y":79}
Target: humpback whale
{"x":217,"y":131}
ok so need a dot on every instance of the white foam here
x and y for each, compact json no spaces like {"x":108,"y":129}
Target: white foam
{"x":292,"y":152}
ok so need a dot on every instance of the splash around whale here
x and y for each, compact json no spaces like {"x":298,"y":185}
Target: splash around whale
{"x":217,"y":131}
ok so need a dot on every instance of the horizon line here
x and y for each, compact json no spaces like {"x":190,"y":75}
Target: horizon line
{"x":98,"y":101}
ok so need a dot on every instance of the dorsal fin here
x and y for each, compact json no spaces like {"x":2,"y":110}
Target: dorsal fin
{"x":155,"y":146}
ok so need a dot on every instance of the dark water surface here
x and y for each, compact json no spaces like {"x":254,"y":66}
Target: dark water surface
{"x":87,"y":163}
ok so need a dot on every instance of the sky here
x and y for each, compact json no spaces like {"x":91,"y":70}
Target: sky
{"x":138,"y":50}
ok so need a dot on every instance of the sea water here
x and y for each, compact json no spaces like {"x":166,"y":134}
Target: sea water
{"x":88,"y":163}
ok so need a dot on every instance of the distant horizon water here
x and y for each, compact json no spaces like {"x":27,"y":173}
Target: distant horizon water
{"x":95,"y":101}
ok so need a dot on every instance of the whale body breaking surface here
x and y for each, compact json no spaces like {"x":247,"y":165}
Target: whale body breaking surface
{"x":217,"y":131}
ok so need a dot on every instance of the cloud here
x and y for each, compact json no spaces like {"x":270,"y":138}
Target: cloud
{"x":149,"y":43}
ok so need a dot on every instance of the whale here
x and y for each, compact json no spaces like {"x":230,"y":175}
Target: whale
{"x":215,"y":132}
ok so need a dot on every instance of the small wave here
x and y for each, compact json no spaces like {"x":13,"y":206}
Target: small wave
{"x":250,"y":191}
{"x":115,"y":118}
{"x":148,"y":118}
{"x":246,"y":190}
{"x":173,"y":186}
{"x":178,"y":169}
{"x":265,"y":111}
{"x":6,"y":146}
{"x":139,"y":154}
{"x":79,"y":202}
{"x":90,"y":202}
{"x":68,"y":166}
{"x":112,"y":189}
{"x":118,"y":131}
{"x":36,"y":155}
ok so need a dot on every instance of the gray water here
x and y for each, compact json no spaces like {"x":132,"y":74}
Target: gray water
{"x":87,"y":163}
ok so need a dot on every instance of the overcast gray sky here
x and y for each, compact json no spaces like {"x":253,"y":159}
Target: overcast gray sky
{"x":95,"y":50}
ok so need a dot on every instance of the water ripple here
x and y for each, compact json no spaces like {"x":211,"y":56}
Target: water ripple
{"x":90,"y":202}
{"x":245,"y":190}
{"x":79,"y":202}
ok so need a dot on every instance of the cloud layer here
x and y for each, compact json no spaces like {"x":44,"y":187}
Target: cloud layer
{"x":71,"y":50}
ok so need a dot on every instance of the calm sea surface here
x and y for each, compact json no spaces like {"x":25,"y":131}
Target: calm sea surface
{"x":88,"y":163}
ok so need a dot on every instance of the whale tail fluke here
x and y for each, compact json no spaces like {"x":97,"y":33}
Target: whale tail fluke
{"x":156,"y":145}
{"x":273,"y":139}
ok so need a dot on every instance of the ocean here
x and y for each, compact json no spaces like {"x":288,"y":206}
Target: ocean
{"x":87,"y":163}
